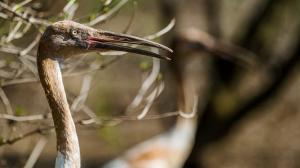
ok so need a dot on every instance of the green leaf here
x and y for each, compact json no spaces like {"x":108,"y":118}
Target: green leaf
{"x":111,"y":136}
{"x":20,"y":111}
{"x":145,"y":65}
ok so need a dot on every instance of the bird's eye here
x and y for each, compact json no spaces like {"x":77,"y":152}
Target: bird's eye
{"x":74,"y":32}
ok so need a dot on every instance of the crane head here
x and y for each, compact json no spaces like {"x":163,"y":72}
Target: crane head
{"x":66,"y":38}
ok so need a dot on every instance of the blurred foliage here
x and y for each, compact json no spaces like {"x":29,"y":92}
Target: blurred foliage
{"x":145,"y":65}
{"x":111,"y":137}
{"x":19,"y":111}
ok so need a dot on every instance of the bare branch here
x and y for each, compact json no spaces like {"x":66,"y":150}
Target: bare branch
{"x":25,"y":118}
{"x":30,"y":19}
{"x":150,"y":99}
{"x":19,"y":81}
{"x":6,"y":74}
{"x":194,"y":110}
{"x":31,"y":45}
{"x":12,"y":34}
{"x":131,"y":18}
{"x":163,"y":31}
{"x":228,"y":51}
{"x":21,"y":4}
{"x":36,"y":152}
{"x":81,"y":98}
{"x":6,"y":102}
{"x":28,"y":134}
{"x":110,"y":13}
{"x":107,"y":2}
{"x":113,"y":121}
{"x":3,"y":16}
{"x":30,"y":66}
{"x":70,"y":9}
{"x":145,"y":86}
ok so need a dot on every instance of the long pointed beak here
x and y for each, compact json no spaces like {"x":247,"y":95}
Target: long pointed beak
{"x":105,"y":40}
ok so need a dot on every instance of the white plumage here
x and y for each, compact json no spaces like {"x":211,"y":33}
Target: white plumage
{"x":167,"y":150}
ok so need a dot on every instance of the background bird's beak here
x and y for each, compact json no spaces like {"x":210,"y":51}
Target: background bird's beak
{"x":120,"y":42}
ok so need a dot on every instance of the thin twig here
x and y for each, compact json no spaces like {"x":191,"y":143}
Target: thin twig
{"x":22,"y":136}
{"x":6,"y":74}
{"x":163,"y":31}
{"x":150,"y":99}
{"x":13,"y":32}
{"x":131,"y":18}
{"x":6,"y":102}
{"x":105,"y":16}
{"x":185,"y":114}
{"x":145,"y":86}
{"x":19,"y":81}
{"x":37,"y":150}
{"x":25,"y":118}
{"x":70,"y":9}
{"x":32,"y":20}
{"x":81,"y":98}
{"x":228,"y":51}
{"x":21,"y":4}
{"x":31,"y":45}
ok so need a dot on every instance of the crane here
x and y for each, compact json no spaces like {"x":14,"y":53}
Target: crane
{"x":167,"y":150}
{"x":65,"y":39}
{"x":170,"y":149}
